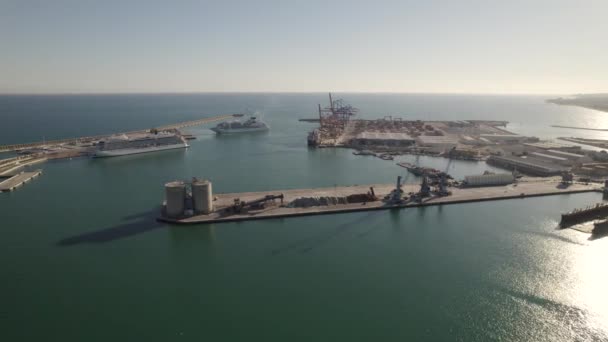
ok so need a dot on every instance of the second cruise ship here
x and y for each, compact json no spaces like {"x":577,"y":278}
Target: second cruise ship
{"x":251,"y":125}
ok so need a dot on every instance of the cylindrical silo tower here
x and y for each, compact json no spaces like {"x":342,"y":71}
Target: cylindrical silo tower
{"x":175,"y":194}
{"x":202,"y":196}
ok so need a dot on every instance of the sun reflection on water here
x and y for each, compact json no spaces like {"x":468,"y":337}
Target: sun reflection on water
{"x":557,"y":282}
{"x":590,"y":290}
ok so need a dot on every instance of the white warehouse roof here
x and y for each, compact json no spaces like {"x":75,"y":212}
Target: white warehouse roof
{"x":566,"y":154}
{"x":501,"y":136}
{"x":546,"y":145}
{"x":490,"y":179}
{"x":548,"y":156}
{"x":436,"y":139}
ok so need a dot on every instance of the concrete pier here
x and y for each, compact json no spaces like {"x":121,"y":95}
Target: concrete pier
{"x":13,"y":166}
{"x":18,"y":180}
{"x":530,"y":188}
{"x":79,"y":140}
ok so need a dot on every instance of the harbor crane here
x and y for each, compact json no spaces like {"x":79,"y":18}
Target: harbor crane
{"x":567,"y":178}
{"x":442,"y":187}
{"x":260,"y":203}
{"x":396,"y":196}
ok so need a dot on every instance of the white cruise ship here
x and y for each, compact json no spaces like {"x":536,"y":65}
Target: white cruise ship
{"x":251,"y":125}
{"x":139,"y":143}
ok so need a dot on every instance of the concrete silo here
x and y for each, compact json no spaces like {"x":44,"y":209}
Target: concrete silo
{"x":202,"y":196}
{"x":175,"y":195}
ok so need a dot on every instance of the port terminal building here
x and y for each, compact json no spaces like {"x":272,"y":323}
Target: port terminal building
{"x":437,"y":143}
{"x":489,"y":179}
{"x":531,"y":166}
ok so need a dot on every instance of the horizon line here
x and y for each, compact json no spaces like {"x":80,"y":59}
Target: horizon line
{"x":286,"y":92}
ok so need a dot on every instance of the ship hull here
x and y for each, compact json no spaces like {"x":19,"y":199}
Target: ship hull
{"x":238,"y":130}
{"x":130,"y":151}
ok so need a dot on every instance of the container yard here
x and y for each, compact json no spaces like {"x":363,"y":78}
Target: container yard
{"x":456,"y":139}
{"x":180,"y":206}
{"x":476,"y":140}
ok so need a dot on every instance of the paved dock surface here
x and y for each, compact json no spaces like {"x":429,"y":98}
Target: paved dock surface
{"x":18,"y":180}
{"x":529,"y":188}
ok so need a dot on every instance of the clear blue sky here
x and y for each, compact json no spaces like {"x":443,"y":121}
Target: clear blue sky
{"x":54,"y":46}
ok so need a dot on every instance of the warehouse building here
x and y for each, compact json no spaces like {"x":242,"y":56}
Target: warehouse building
{"x":437,"y":143}
{"x":489,"y":179}
{"x":468,"y":140}
{"x":575,"y":157}
{"x":551,"y":158}
{"x":551,"y":145}
{"x":527,"y":165}
{"x":506,"y":138}
{"x":592,"y":169}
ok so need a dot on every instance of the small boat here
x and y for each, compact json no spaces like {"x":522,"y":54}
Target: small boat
{"x":314,"y":138}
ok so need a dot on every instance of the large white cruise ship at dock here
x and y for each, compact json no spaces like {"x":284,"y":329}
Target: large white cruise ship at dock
{"x":121,"y":145}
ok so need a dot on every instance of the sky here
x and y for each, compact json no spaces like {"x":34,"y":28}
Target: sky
{"x":498,"y":47}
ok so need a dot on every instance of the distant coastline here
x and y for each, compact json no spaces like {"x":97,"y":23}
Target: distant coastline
{"x":589,"y":101}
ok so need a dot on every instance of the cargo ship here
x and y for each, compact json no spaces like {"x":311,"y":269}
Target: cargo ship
{"x":314,"y":138}
{"x":154,"y":141}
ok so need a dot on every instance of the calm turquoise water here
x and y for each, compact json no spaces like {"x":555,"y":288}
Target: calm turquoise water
{"x":83,"y":259}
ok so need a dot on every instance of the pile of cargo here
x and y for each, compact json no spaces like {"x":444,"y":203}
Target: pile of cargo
{"x":305,"y":202}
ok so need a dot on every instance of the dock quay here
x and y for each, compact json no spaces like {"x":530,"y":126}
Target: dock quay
{"x":89,"y":139}
{"x":17,"y":180}
{"x":198,"y":122}
{"x":323,"y":201}
{"x":582,"y":128}
{"x":11,"y":166}
{"x":601,"y":143}
{"x":597,"y":211}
